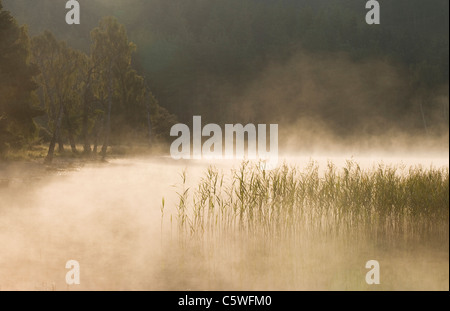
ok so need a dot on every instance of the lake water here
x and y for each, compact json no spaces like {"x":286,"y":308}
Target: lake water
{"x":108,"y":218}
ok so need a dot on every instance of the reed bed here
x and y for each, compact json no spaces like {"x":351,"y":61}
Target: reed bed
{"x":311,"y":228}
{"x":385,"y":201}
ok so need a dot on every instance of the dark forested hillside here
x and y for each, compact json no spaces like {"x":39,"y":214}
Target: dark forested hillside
{"x":267,"y":60}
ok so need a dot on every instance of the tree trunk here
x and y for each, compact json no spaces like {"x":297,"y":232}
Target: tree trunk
{"x":86,"y":146}
{"x":60,"y":142}
{"x":98,"y":128}
{"x":97,"y":134}
{"x":95,"y":144}
{"x":85,"y":134}
{"x":56,"y":135}
{"x":72,"y":142}
{"x":108,"y":116}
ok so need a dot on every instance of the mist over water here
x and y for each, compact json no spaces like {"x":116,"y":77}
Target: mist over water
{"x":339,"y":90}
{"x":108,"y":217}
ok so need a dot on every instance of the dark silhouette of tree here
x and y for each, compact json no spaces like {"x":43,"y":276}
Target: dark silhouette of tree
{"x":16,"y":85}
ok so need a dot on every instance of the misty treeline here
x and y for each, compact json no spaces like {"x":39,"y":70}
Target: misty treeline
{"x":53,"y":93}
{"x":206,"y":57}
{"x":277,"y":61}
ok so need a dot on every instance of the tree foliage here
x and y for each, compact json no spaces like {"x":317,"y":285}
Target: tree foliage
{"x":91,"y":98}
{"x":16,"y":84}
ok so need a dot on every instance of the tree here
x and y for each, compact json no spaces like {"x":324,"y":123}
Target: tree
{"x":112,"y":51}
{"x":16,"y":85}
{"x":62,"y":73}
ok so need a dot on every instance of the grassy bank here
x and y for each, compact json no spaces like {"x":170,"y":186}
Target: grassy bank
{"x":39,"y":152}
